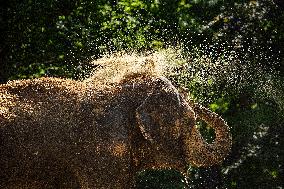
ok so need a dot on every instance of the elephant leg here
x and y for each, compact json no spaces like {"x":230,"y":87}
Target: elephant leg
{"x":25,"y":184}
{"x":44,"y":174}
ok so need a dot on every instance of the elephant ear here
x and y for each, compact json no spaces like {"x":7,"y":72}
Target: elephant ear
{"x":158,"y":116}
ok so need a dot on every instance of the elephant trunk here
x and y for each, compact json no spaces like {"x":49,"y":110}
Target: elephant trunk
{"x":199,"y":152}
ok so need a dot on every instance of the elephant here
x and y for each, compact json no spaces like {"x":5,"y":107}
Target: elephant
{"x":63,"y":133}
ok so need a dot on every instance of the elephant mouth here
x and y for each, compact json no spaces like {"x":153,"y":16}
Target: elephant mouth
{"x":170,"y":163}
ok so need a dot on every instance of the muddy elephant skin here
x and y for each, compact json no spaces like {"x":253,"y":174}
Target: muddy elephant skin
{"x":61,"y":133}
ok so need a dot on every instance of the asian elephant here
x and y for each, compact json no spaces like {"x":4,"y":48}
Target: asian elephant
{"x":62,"y":133}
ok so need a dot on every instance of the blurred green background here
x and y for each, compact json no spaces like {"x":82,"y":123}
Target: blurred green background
{"x":234,"y":65}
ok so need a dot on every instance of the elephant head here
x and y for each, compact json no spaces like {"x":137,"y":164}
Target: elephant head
{"x":168,"y":122}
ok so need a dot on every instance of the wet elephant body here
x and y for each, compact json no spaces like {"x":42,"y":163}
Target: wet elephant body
{"x":60,"y":133}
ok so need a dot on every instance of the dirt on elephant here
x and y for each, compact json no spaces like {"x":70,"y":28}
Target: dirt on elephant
{"x":100,"y":131}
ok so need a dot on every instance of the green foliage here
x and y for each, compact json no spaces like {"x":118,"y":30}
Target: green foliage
{"x":160,"y":179}
{"x":138,"y":24}
{"x":257,"y":148}
{"x":207,"y":132}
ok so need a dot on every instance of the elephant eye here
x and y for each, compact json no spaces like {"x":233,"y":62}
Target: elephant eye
{"x":167,"y":118}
